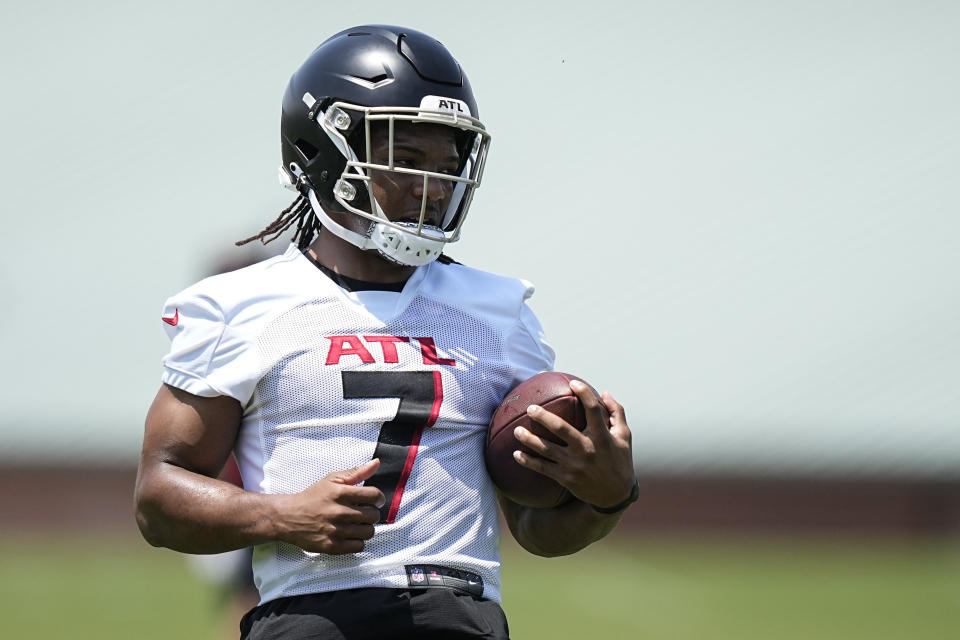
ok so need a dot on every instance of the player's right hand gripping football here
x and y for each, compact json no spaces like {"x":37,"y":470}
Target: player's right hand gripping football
{"x":334,"y":515}
{"x":595,"y":465}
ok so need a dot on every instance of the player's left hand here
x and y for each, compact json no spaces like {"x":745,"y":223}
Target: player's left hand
{"x":595,"y":465}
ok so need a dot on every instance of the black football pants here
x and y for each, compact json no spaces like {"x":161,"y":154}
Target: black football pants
{"x":377,"y":614}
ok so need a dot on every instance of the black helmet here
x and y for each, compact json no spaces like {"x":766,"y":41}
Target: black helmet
{"x":367,"y":74}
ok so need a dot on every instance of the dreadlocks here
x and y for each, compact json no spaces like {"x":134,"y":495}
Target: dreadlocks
{"x":300,"y":212}
{"x":308,"y":227}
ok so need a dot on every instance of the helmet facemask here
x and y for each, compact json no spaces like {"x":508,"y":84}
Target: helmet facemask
{"x":412,"y":243}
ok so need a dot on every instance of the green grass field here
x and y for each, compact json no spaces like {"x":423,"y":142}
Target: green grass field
{"x":636,"y":588}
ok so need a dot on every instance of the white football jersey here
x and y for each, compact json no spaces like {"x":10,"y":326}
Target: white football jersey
{"x":329,"y":379}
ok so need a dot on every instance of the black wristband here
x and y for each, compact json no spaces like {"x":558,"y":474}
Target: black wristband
{"x":620,"y":506}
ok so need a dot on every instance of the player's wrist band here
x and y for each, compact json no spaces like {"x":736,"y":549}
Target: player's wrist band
{"x":620,"y":506}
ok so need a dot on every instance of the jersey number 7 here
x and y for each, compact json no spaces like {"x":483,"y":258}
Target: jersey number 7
{"x":420,"y":393}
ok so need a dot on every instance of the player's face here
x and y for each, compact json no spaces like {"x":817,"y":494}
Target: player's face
{"x":427,"y":147}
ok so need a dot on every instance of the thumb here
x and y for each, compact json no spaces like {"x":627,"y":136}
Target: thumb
{"x":355,"y":475}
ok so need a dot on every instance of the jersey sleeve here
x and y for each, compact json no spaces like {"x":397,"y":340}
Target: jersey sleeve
{"x":207,"y":356}
{"x":530,"y":353}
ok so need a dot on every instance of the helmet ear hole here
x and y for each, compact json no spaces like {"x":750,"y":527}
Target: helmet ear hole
{"x":308,"y":150}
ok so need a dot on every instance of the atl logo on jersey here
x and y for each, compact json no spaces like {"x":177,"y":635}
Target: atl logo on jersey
{"x":384,"y":348}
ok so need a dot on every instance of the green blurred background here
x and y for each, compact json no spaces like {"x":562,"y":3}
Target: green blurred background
{"x":754,"y":206}
{"x":628,"y":587}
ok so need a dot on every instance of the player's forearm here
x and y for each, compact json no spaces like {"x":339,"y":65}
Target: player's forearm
{"x":192,"y":513}
{"x":559,"y":531}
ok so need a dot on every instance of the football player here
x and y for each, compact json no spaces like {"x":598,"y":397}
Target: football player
{"x":354,"y":375}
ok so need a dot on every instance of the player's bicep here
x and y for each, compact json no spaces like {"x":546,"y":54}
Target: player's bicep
{"x":513,"y":515}
{"x":516,"y":516}
{"x":193,"y":432}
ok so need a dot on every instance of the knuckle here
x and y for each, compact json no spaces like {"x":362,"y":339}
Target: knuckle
{"x":329,"y":519}
{"x":530,"y":462}
{"x":538,"y":444}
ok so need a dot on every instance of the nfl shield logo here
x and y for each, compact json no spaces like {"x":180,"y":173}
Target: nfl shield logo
{"x":416,"y":574}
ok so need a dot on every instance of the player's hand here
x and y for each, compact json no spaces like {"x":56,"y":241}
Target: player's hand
{"x":334,"y":515}
{"x":595,"y":465}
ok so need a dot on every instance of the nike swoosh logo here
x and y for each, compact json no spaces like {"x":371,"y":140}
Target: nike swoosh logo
{"x":174,"y":320}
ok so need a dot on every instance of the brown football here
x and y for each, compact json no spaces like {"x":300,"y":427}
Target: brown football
{"x":551,"y":390}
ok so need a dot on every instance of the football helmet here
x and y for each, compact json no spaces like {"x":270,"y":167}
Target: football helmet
{"x":378,"y":74}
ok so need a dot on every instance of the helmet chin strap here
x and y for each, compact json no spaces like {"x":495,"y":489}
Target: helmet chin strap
{"x":398,"y":246}
{"x":354,"y":238}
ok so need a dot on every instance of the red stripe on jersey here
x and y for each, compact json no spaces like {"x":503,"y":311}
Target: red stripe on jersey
{"x":414,"y":446}
{"x":404,"y":475}
{"x":437,"y":398}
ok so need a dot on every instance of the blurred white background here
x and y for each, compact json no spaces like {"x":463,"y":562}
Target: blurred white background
{"x":741,"y":216}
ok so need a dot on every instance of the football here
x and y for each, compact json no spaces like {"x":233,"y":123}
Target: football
{"x":551,"y":390}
